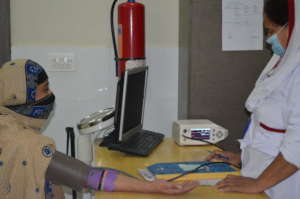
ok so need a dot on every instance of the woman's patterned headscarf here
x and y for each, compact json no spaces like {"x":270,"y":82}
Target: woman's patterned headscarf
{"x":18,"y":84}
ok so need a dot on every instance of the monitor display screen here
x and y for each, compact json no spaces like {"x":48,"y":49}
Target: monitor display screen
{"x":132,"y":102}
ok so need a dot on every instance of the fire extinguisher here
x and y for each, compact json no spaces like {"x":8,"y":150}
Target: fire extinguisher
{"x":131,"y":34}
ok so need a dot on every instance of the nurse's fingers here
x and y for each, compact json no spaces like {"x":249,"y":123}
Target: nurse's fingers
{"x":224,"y":183}
{"x":239,"y":188}
{"x":215,"y":155}
{"x":228,"y":179}
{"x":230,"y":188}
{"x":234,"y":178}
{"x":239,"y":184}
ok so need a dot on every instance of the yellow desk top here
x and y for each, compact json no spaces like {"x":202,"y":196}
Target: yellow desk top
{"x":167,"y":151}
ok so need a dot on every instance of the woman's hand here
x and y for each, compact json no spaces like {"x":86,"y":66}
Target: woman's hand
{"x":165,"y":187}
{"x":275,"y":173}
{"x":239,"y":184}
{"x":225,"y":156}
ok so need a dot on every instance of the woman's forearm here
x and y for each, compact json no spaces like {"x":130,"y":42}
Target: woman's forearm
{"x":64,"y":170}
{"x":127,"y":184}
{"x":278,"y":171}
{"x":73,"y":173}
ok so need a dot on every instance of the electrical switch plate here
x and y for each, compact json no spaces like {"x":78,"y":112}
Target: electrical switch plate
{"x":61,"y":62}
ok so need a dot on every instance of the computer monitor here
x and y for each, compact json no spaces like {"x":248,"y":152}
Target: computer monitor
{"x":130,"y":102}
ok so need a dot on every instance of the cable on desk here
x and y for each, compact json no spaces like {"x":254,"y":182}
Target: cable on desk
{"x":196,"y":169}
{"x":203,"y":140}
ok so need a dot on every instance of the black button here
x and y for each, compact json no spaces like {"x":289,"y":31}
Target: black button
{"x":24,"y":162}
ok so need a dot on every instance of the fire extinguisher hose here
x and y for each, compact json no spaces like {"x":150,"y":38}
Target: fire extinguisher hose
{"x":112,"y":25}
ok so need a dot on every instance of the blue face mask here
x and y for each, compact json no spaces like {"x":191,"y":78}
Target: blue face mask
{"x":276,"y":45}
{"x":277,"y":48}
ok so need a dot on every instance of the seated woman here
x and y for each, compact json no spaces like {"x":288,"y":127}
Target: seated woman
{"x":29,"y":163}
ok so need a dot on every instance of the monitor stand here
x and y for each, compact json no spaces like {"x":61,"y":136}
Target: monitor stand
{"x":109,"y":140}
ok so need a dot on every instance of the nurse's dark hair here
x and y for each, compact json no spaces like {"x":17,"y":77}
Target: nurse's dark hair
{"x":277,"y":11}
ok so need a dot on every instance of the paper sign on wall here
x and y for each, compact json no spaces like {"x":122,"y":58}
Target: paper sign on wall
{"x":242,"y":25}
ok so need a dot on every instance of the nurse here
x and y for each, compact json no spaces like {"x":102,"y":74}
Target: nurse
{"x":270,"y":157}
{"x":30,"y":167}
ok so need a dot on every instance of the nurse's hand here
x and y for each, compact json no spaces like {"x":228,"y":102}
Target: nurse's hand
{"x":225,"y":156}
{"x":164,"y":187}
{"x":239,"y":184}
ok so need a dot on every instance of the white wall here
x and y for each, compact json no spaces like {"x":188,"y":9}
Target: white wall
{"x":86,"y":22}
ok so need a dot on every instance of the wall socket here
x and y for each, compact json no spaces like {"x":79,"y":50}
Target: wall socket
{"x":61,"y":62}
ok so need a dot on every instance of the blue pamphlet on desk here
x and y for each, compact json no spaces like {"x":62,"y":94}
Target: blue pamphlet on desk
{"x":206,"y":170}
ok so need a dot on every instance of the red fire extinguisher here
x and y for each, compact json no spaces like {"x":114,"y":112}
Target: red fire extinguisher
{"x":131,"y":34}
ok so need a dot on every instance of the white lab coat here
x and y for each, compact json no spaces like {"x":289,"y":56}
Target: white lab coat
{"x":280,"y":110}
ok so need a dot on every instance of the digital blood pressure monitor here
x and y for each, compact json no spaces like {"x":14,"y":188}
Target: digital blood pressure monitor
{"x":198,"y":132}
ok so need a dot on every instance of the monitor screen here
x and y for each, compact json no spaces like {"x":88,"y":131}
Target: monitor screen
{"x":130,"y":102}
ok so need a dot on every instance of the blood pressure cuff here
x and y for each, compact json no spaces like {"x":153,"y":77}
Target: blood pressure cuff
{"x":73,"y":173}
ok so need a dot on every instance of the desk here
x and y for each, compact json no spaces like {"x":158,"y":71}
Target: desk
{"x":167,"y":151}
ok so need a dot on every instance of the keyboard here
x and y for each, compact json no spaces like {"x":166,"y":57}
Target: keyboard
{"x":141,"y":143}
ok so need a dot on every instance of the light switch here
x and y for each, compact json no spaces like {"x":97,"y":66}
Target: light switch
{"x":61,"y":62}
